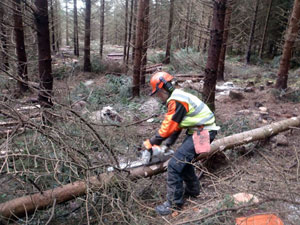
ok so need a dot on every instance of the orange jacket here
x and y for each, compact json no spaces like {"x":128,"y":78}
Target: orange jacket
{"x":170,"y":125}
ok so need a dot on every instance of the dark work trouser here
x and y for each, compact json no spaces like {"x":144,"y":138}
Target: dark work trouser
{"x":181,"y":170}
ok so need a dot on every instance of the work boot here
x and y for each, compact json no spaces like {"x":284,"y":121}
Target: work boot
{"x":166,"y":208}
{"x":192,"y":189}
{"x":188,"y":194}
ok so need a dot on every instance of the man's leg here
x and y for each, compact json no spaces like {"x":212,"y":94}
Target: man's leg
{"x":182,"y":157}
{"x":192,"y":187}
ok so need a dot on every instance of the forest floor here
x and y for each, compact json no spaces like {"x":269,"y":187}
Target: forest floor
{"x":269,"y":169}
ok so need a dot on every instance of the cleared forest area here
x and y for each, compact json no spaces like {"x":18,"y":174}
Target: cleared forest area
{"x":76,"y":103}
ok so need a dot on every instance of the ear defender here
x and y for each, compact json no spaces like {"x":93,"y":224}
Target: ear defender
{"x":167,"y":85}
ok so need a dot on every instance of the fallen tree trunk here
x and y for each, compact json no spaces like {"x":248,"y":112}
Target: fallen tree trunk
{"x":28,"y":204}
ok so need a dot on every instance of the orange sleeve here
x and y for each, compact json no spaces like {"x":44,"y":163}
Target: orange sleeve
{"x":169,"y":125}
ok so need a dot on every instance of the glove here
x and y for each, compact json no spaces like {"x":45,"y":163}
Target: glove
{"x":147,"y":145}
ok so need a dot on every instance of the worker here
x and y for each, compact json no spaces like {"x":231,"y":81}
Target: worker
{"x":185,"y":111}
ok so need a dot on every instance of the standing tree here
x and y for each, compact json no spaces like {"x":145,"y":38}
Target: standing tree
{"x":221,"y":66}
{"x":252,"y":31}
{"x":134,"y":28}
{"x":187,"y":25}
{"x":53,"y":27}
{"x":126,"y":30}
{"x":44,"y":52}
{"x":169,"y":38}
{"x":102,"y":10}
{"x":20,"y":47}
{"x":265,"y":30}
{"x":138,"y":49}
{"x":219,"y":9}
{"x":3,"y":41}
{"x":67,"y":23}
{"x":75,"y":32}
{"x":87,"y":67}
{"x":145,"y":41}
{"x":57,"y":24}
{"x":129,"y":31}
{"x":291,"y":35}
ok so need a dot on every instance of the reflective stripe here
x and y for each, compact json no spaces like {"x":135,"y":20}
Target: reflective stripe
{"x":198,"y":112}
{"x":203,"y":121}
{"x":196,"y":107}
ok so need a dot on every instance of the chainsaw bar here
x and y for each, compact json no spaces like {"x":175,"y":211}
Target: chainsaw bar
{"x":146,"y":159}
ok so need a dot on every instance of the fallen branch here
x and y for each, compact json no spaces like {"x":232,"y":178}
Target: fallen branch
{"x":28,"y":204}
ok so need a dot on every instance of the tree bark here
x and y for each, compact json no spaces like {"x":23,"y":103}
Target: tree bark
{"x":291,"y":35}
{"x":102,"y":9}
{"x":221,"y":66}
{"x":251,"y":37}
{"x":87,"y":67}
{"x":44,"y":52}
{"x":53,"y":43}
{"x":126,"y":30}
{"x":75,"y":32}
{"x":145,"y":41}
{"x":138,"y":50}
{"x":58,"y":25}
{"x":28,"y":204}
{"x":265,"y":30}
{"x":129,"y":31}
{"x":169,"y":38}
{"x":187,"y":24}
{"x":214,"y":50}
{"x":67,"y":24}
{"x":134,"y":28}
{"x":3,"y":38}
{"x":20,"y":47}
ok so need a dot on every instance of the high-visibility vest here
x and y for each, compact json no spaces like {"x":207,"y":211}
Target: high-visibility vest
{"x":198,"y":115}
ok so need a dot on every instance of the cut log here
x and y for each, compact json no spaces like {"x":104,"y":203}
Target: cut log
{"x":154,"y":68}
{"x":28,"y":204}
{"x":193,"y":79}
{"x":189,"y":75}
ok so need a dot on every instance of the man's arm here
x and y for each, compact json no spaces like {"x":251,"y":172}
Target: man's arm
{"x":170,"y":125}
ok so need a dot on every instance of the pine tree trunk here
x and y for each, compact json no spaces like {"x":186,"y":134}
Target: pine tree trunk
{"x":221,"y":66}
{"x":265,"y":30}
{"x":102,"y":10}
{"x":138,"y":50}
{"x":145,"y":41}
{"x":134,"y":28}
{"x":75,"y":32}
{"x":186,"y":30}
{"x":215,"y":45}
{"x":87,"y":67}
{"x":27,"y":205}
{"x":129,"y":31}
{"x":44,"y":52}
{"x":3,"y":41}
{"x":251,"y":37}
{"x":126,"y":30}
{"x":169,"y":38}
{"x":67,"y":24}
{"x":20,"y":47}
{"x":291,"y":35}
{"x":53,"y":43}
{"x":58,"y":25}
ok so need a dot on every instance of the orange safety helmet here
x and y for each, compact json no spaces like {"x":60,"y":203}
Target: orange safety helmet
{"x":159,"y":79}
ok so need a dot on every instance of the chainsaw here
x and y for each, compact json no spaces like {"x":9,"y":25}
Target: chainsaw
{"x":147,"y":157}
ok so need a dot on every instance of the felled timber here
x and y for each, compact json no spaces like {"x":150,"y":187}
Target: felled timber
{"x":28,"y":204}
{"x":154,"y":68}
{"x":115,"y":56}
{"x":189,"y":75}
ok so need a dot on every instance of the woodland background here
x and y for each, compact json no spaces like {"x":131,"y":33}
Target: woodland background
{"x":74,"y":101}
